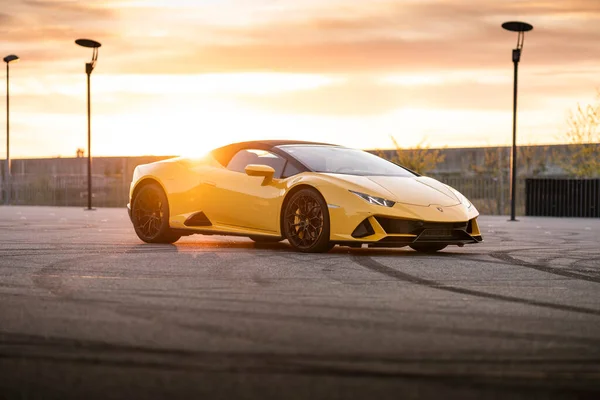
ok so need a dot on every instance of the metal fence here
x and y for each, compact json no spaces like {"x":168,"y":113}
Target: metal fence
{"x":563,"y":197}
{"x":489,"y":194}
{"x":67,"y":190}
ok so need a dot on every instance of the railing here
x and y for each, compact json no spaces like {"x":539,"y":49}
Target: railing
{"x":563,"y":197}
{"x":67,"y":190}
{"x":491,"y":195}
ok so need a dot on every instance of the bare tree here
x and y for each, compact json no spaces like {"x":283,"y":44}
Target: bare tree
{"x":420,"y":159}
{"x":582,"y":158}
{"x":491,"y":166}
{"x":532,"y":160}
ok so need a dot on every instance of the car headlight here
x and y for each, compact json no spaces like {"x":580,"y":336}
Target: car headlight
{"x":463,"y":200}
{"x":374,"y":199}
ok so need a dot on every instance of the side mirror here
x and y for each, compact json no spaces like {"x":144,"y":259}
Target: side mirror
{"x":260,"y":170}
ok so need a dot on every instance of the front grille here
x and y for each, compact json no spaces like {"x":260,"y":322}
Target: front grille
{"x":438,"y":232}
{"x":399,"y":226}
{"x":445,"y":225}
{"x":436,"y":235}
{"x":407,"y":226}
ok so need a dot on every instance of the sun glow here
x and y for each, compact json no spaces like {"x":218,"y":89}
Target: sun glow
{"x":153,"y":114}
{"x":221,"y":84}
{"x":450,"y":77}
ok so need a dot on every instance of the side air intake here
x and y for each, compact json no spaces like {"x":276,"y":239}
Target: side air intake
{"x":197,"y":219}
{"x":363,"y":229}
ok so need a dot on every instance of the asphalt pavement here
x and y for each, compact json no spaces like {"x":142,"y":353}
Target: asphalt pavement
{"x":88,"y":311}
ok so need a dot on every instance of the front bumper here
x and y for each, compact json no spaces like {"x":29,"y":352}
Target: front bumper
{"x":404,"y":225}
{"x":377,"y":231}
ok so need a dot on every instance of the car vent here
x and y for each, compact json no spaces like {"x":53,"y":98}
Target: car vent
{"x":197,"y":219}
{"x":470,"y":226}
{"x":363,"y":229}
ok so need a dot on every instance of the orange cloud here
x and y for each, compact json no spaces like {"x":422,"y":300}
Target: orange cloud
{"x":386,"y":59}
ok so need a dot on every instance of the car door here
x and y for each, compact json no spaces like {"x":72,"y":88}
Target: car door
{"x":243,"y":201}
{"x":192,"y":190}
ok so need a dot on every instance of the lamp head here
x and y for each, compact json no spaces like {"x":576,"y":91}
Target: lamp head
{"x":88,"y":43}
{"x":11,"y":58}
{"x":517,"y":26}
{"x":89,"y":67}
{"x":520,"y":28}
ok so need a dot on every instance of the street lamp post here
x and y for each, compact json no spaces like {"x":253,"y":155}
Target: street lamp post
{"x":520,"y":28}
{"x":7,"y":178}
{"x":89,"y":67}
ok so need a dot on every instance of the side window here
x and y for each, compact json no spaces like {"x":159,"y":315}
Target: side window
{"x":251,"y":156}
{"x":290,"y":170}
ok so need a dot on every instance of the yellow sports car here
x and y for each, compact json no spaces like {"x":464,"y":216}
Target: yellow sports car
{"x":315,"y":195}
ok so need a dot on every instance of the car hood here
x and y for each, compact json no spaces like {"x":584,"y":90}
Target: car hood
{"x":420,"y":191}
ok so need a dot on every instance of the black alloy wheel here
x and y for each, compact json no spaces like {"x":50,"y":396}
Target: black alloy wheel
{"x":306,"y":222}
{"x":428,"y":247}
{"x":150,"y":215}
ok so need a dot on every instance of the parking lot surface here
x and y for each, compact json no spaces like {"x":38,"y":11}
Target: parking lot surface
{"x":89,"y":311}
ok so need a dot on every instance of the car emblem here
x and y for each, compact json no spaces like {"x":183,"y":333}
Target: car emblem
{"x":440,"y":209}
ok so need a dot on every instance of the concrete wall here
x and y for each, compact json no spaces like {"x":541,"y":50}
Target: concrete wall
{"x":63,"y":181}
{"x":533,"y":160}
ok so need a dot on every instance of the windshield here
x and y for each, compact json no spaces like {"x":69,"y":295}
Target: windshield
{"x":342,"y":160}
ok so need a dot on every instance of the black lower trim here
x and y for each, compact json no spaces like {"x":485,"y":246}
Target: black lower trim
{"x":400,"y":240}
{"x":349,"y":243}
{"x":183,"y":232}
{"x":459,"y":237}
{"x":395,"y":245}
{"x":187,"y":232}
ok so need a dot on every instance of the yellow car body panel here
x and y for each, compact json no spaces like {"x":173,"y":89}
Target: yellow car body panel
{"x":239,"y":204}
{"x":346,"y":212}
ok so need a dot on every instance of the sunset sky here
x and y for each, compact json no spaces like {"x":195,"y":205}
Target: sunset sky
{"x":183,"y":76}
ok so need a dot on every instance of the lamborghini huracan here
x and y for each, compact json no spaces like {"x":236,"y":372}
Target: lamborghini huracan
{"x":314,"y":195}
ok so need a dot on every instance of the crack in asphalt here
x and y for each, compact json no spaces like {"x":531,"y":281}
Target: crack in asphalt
{"x":505,"y":256}
{"x":378,"y":267}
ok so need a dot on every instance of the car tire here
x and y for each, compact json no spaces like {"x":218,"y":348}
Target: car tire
{"x":428,"y":247}
{"x":306,"y":222}
{"x":150,"y":215}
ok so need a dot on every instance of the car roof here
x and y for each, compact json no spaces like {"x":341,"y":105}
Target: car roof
{"x":273,"y":143}
{"x":223,"y":154}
